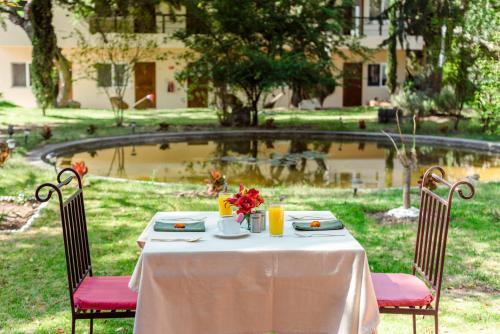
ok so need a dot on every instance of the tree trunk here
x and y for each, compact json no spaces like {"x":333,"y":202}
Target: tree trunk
{"x":44,"y":44}
{"x":255,"y":112}
{"x":392,"y":62}
{"x":457,"y":120}
{"x":458,"y":115}
{"x":64,"y":69}
{"x":389,"y":168}
{"x":406,"y":186}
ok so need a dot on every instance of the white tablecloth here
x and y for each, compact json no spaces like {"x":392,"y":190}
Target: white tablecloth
{"x":255,"y":284}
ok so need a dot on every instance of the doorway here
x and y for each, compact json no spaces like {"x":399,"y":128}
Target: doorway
{"x":145,"y":84}
{"x":352,"y":84}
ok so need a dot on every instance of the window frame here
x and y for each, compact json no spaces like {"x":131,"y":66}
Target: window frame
{"x":27,"y":74}
{"x":113,"y":75}
{"x":98,"y":81}
{"x":381,"y":75}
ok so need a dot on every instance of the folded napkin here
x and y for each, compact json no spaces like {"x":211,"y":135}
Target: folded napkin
{"x":169,"y":226}
{"x":326,"y":225}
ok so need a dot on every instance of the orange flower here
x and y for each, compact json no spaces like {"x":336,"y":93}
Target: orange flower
{"x":80,"y":168}
{"x":216,"y":175}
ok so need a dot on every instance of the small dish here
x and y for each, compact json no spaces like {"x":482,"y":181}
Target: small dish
{"x":243,"y":233}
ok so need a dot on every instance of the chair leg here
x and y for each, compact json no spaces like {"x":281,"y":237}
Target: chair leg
{"x":414,"y":323}
{"x":91,"y":326}
{"x":73,"y":325}
{"x":436,"y":327}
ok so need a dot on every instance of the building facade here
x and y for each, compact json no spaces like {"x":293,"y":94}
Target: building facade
{"x":363,"y":82}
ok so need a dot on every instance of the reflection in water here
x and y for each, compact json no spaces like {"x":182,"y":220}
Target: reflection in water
{"x":280,"y":162}
{"x":119,"y":160}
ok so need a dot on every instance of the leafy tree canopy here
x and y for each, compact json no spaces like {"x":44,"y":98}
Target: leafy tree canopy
{"x":256,"y":46}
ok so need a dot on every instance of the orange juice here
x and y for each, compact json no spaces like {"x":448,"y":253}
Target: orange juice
{"x":224,"y":207}
{"x":276,"y":220}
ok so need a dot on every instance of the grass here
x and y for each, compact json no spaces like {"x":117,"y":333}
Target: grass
{"x":33,"y":291}
{"x":71,"y":124}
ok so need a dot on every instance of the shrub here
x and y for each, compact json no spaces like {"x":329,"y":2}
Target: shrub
{"x":92,"y":128}
{"x":362,"y":124}
{"x":446,"y":100}
{"x":46,"y":132}
{"x":412,"y":103}
{"x":487,"y":96}
{"x":487,"y":103}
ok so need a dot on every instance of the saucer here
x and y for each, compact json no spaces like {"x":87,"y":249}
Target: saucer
{"x":242,"y":233}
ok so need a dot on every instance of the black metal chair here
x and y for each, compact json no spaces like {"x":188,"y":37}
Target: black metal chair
{"x":409,"y":294}
{"x":91,"y":297}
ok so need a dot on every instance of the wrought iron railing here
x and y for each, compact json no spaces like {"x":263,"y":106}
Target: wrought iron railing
{"x":168,"y":24}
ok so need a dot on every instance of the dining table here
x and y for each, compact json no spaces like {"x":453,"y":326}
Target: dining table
{"x":302,"y":282}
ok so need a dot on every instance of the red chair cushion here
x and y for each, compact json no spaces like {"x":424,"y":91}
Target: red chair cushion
{"x":105,"y":293}
{"x":400,"y":290}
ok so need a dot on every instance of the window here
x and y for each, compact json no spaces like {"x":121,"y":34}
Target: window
{"x":376,"y":75}
{"x":120,"y":72}
{"x":377,"y":7}
{"x":194,"y":24}
{"x":145,"y":18}
{"x":103,"y":75}
{"x":383,"y":74}
{"x":111,"y":16}
{"x":109,"y":8}
{"x":109,"y":75}
{"x":21,"y":75}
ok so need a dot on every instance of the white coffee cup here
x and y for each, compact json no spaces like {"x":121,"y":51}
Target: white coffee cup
{"x":228,"y":225}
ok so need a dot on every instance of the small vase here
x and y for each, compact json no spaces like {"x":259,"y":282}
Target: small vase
{"x":246,"y":220}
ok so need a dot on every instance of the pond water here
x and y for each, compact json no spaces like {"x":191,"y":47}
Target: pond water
{"x":321,"y":163}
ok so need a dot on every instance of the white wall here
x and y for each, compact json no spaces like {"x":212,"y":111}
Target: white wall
{"x":335,"y":100}
{"x":89,"y":95}
{"x":165,"y":72}
{"x":15,"y":47}
{"x":13,"y":35}
{"x":21,"y":96}
{"x":381,"y":92}
{"x":66,"y":26}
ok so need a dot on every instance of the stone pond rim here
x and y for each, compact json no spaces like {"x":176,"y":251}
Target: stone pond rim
{"x":46,"y":152}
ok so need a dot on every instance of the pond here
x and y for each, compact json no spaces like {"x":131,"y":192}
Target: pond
{"x":323,"y":163}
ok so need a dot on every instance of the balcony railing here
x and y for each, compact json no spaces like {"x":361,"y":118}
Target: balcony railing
{"x":165,"y":24}
{"x":368,"y":26}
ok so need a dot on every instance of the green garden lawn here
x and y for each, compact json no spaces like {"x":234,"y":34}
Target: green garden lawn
{"x":33,"y":287}
{"x":72,"y":124}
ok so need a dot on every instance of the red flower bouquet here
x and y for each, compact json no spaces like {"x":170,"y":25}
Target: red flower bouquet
{"x":245,"y":200}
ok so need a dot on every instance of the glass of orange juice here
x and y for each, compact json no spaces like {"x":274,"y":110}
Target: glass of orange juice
{"x":224,"y":207}
{"x":276,"y":219}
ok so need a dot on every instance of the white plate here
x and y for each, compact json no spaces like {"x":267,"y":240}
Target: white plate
{"x":242,"y":233}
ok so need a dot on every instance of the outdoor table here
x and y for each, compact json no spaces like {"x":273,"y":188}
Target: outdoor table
{"x":255,"y":284}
